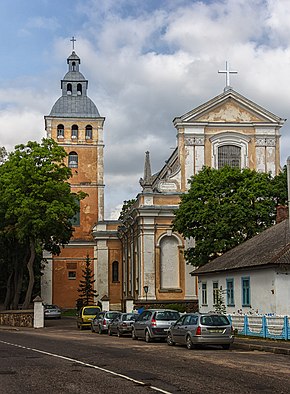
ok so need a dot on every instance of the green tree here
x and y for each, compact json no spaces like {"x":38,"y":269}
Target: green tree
{"x":224,"y":208}
{"x":36,"y":206}
{"x":3,"y":154}
{"x":86,"y":290}
{"x":127,"y":204}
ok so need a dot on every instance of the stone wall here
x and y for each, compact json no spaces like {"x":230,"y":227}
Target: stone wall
{"x":22,"y":318}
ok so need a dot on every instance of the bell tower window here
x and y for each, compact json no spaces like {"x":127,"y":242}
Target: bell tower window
{"x":73,"y":66}
{"x":73,"y":160}
{"x":69,"y":89}
{"x":89,"y":132}
{"x":74,"y":131}
{"x":79,"y":89}
{"x":60,"y":131}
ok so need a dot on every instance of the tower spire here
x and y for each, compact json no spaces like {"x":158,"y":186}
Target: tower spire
{"x":146,"y":181}
{"x":73,"y":40}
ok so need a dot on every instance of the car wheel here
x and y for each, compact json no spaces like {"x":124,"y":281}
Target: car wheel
{"x":169,"y":340}
{"x":118,"y":333}
{"x":100,"y":330}
{"x":134,"y":336}
{"x":147,"y":337}
{"x":226,"y":347}
{"x":189,"y":343}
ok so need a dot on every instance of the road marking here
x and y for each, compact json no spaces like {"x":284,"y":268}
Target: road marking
{"x":89,"y":365}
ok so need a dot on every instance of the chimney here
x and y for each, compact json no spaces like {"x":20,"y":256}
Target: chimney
{"x":281,"y":214}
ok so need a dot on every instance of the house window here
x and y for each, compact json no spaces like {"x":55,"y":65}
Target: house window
{"x":73,"y":160}
{"x":204,"y":293}
{"x":79,"y":89}
{"x":69,"y":89}
{"x":229,"y":155}
{"x":76,"y":219}
{"x":115,"y":271}
{"x":230,"y":292}
{"x":89,"y":132}
{"x":246,"y":292}
{"x":215,"y":289}
{"x":60,"y":131}
{"x":72,"y":275}
{"x":74,"y":131}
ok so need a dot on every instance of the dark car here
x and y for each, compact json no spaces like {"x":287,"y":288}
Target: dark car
{"x":154,"y":323}
{"x":51,"y":311}
{"x":201,"y":329}
{"x":122,"y":324}
{"x":101,"y":322}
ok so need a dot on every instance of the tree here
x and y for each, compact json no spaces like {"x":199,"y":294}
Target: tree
{"x":224,"y":208}
{"x":86,"y":290}
{"x":36,"y":205}
{"x":127,"y":204}
{"x":3,"y":154}
{"x":219,"y":306}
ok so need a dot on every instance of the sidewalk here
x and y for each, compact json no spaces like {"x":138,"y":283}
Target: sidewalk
{"x":265,"y":345}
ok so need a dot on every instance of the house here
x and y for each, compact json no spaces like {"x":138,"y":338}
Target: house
{"x":253,"y":277}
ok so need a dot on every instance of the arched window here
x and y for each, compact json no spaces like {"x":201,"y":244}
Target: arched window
{"x":229,"y":155}
{"x":73,"y":160}
{"x":169,"y":262}
{"x":73,"y":66}
{"x":115,"y":271}
{"x":79,"y":89}
{"x":74,"y":131}
{"x":69,"y":88}
{"x":89,"y":132}
{"x":60,"y":131}
{"x":76,"y":219}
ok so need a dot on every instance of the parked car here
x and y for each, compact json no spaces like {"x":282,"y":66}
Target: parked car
{"x":101,"y":322}
{"x":51,"y":311}
{"x":201,"y":329}
{"x":86,"y":314}
{"x":154,"y":323}
{"x":122,"y":324}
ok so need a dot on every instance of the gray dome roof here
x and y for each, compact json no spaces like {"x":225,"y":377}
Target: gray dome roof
{"x":75,"y":106}
{"x":74,"y":76}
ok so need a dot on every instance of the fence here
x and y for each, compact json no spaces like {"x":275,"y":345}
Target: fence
{"x":273,"y":327}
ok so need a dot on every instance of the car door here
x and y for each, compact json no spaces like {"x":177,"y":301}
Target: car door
{"x":176,"y":329}
{"x":142,"y":323}
{"x":186,"y":327}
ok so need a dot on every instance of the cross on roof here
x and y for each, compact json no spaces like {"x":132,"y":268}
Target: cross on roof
{"x":73,"y":40}
{"x":227,"y":71}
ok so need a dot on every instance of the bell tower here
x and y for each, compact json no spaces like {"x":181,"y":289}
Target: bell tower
{"x":75,"y":123}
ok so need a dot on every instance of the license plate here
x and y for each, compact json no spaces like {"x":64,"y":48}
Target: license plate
{"x":214,"y":331}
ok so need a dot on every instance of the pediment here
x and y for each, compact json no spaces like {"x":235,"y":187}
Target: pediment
{"x":229,"y":107}
{"x":229,"y":112}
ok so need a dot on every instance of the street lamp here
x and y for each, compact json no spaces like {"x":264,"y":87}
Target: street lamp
{"x":146,"y":291}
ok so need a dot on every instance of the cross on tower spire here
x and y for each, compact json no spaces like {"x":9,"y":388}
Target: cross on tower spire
{"x":73,"y":40}
{"x":227,"y":71}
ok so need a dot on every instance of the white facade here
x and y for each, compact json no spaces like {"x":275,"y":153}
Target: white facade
{"x":269,"y":291}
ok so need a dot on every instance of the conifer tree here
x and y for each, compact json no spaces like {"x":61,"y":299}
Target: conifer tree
{"x":86,"y":290}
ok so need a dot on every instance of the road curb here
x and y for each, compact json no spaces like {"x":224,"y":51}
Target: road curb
{"x":262,"y":348}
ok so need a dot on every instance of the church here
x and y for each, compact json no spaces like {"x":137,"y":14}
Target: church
{"x":139,"y":260}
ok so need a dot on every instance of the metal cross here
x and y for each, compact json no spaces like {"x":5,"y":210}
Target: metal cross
{"x":73,"y":42}
{"x":227,"y":71}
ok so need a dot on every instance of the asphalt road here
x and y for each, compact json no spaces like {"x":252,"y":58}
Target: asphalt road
{"x":62,"y":359}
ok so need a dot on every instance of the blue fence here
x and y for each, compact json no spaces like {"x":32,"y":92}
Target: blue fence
{"x":273,"y":327}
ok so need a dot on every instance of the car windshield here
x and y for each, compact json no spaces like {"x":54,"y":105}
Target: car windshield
{"x":112,"y":315}
{"x":214,"y":320}
{"x":129,"y":317}
{"x":91,"y":311}
{"x":167,"y":315}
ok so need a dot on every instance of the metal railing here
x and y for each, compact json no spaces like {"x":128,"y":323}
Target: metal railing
{"x":274,"y":327}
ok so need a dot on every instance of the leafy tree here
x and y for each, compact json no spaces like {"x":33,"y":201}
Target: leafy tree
{"x":3,"y":154}
{"x":219,"y":306}
{"x":224,"y":208}
{"x":86,"y":290}
{"x":36,"y":207}
{"x":126,"y":208}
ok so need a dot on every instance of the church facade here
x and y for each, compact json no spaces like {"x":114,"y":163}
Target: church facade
{"x":140,"y":259}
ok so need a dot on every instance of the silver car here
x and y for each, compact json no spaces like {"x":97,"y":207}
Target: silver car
{"x":201,"y":329}
{"x":122,"y":324}
{"x":154,"y":323}
{"x":101,"y":322}
{"x":52,"y":311}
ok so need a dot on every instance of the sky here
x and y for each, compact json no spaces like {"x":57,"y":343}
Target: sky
{"x":147,"y":62}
